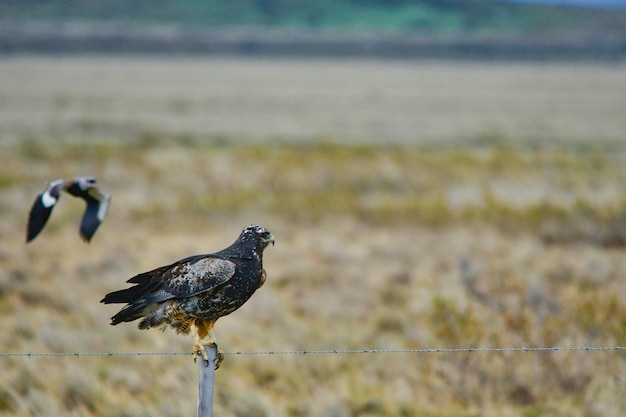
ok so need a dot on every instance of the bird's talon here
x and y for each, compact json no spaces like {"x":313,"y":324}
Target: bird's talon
{"x":218,"y":359}
{"x":219,"y":355}
{"x":199,"y":349}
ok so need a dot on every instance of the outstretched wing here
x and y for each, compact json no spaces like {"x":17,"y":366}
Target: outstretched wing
{"x":185,"y":278}
{"x":42,"y":208}
{"x":95,"y":212}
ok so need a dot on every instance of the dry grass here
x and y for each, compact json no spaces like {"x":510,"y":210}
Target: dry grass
{"x":381,"y":247}
{"x":408,"y":102}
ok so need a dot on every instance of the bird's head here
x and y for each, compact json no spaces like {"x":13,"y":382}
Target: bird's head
{"x":259,"y":234}
{"x":85,"y":183}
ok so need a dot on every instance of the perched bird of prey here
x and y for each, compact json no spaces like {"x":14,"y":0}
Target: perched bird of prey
{"x":191,"y":294}
{"x":83,"y":187}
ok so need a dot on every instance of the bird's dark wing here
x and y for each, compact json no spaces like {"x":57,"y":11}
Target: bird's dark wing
{"x":183,"y":279}
{"x":42,"y":208}
{"x":197,"y":274}
{"x":95,"y":212}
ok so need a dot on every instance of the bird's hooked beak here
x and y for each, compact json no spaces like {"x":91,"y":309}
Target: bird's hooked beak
{"x":269,"y":239}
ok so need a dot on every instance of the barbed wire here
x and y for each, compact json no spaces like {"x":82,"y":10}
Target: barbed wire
{"x":331,"y":351}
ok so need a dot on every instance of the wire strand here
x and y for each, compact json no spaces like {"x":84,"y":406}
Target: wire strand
{"x":329,"y":351}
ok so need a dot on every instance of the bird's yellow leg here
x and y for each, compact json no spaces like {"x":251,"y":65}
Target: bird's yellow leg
{"x":212,"y":342}
{"x":200,"y":330}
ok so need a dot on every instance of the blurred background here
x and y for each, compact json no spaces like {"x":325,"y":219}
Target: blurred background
{"x":437,"y":174}
{"x":484,"y":29}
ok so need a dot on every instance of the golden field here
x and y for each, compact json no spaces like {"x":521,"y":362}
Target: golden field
{"x":415,"y":205}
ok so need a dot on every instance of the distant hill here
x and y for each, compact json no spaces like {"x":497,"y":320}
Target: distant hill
{"x":432,"y":16}
{"x":398,"y":28}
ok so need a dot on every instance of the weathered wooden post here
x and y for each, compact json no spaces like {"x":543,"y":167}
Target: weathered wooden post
{"x":207,"y":383}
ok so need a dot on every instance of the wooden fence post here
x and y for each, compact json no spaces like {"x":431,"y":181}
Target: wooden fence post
{"x":207,"y":383}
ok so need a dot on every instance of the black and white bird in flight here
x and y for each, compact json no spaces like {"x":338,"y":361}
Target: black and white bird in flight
{"x":83,"y":187}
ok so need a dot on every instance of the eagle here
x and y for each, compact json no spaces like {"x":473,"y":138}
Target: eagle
{"x":192,"y":293}
{"x":84,"y":187}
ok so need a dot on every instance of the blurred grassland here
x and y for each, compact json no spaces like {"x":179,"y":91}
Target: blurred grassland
{"x":512,"y":188}
{"x":501,"y":241}
{"x":287,"y":100}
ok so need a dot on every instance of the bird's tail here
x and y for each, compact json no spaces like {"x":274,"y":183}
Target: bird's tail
{"x":140,"y":299}
{"x":127,"y":295}
{"x":129,"y":313}
{"x":143,"y":288}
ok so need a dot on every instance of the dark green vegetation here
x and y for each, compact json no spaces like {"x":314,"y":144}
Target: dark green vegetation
{"x":427,"y":15}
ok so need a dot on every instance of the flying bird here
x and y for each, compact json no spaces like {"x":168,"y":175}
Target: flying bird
{"x":191,"y":294}
{"x":84,"y":187}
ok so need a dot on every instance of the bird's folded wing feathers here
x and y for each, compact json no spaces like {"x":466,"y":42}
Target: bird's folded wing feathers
{"x":190,"y":278}
{"x":183,"y":279}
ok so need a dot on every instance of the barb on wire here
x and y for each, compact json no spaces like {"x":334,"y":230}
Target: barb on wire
{"x":329,"y":351}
